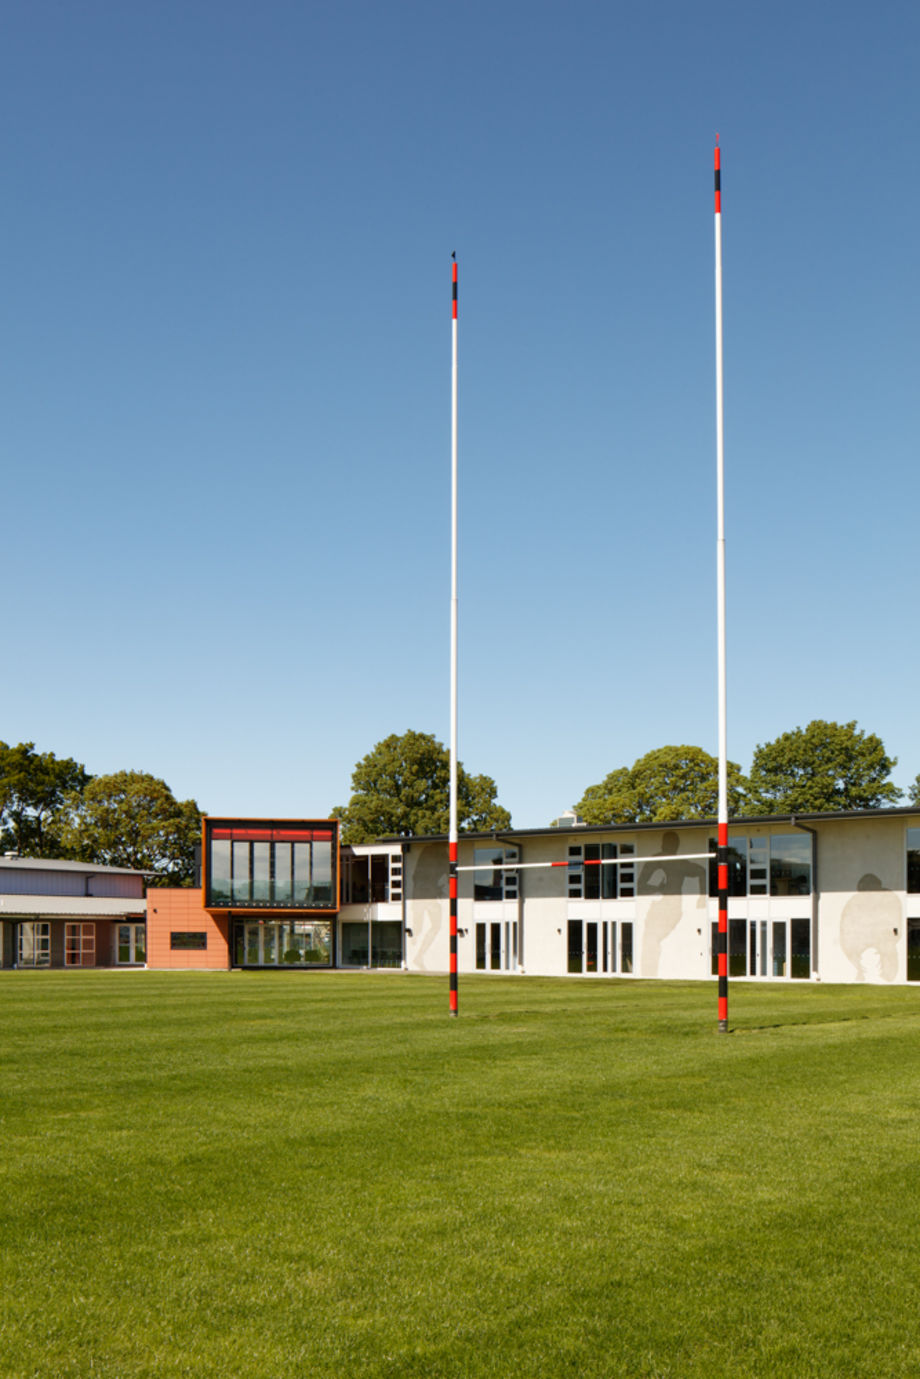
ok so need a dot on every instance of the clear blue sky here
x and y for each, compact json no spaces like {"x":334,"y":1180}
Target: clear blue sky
{"x":226,"y":383}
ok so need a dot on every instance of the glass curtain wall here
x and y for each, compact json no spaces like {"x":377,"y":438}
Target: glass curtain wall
{"x":271,"y":867}
{"x":283,"y":943}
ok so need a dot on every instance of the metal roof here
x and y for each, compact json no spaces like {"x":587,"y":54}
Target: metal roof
{"x":77,"y":906}
{"x":742,"y":821}
{"x":59,"y":864}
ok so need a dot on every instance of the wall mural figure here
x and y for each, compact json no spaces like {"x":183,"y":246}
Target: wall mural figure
{"x":869,"y":927}
{"x":429,"y":880}
{"x":668,"y":882}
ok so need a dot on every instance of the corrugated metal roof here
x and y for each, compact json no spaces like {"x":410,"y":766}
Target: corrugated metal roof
{"x":55,"y":864}
{"x":741,"y":821}
{"x":80,"y":907}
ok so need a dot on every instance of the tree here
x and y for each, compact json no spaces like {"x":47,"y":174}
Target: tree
{"x":33,"y":787}
{"x":131,"y":819}
{"x":402,"y":788}
{"x":913,"y":793}
{"x":665,"y":785}
{"x":824,"y":766}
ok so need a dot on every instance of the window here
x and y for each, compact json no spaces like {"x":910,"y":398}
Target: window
{"x":496,"y":946}
{"x":34,"y":948}
{"x":385,"y":939}
{"x":184,"y":941}
{"x":790,"y":864}
{"x":79,"y":945}
{"x":396,"y":875}
{"x":737,"y":868}
{"x":375,"y":878}
{"x":758,"y":849}
{"x":913,"y":861}
{"x":597,"y":871}
{"x":273,"y":866}
{"x":778,"y":865}
{"x":494,"y":878}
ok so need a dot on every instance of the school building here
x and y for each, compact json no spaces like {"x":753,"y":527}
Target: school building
{"x":834,"y":897}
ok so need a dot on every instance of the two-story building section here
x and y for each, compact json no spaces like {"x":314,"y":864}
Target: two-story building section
{"x":834,"y":897}
{"x":70,"y":914}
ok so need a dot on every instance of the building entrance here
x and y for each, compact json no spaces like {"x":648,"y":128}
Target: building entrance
{"x":601,"y":946}
{"x":283,"y":943}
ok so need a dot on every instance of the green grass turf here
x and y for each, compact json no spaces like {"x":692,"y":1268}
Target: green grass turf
{"x":289,"y":1174}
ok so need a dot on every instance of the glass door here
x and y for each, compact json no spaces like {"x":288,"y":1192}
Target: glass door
{"x":780,"y":965}
{"x":592,"y":946}
{"x":34,"y":948}
{"x":758,"y":952}
{"x":576,"y":949}
{"x":132,"y":944}
{"x":253,"y":945}
{"x":913,"y":950}
{"x":496,"y":947}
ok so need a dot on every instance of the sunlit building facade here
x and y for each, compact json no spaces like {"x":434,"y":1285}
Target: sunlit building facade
{"x":829,"y":897}
{"x":70,"y":914}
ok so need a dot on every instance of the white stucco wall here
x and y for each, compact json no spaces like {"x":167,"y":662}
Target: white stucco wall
{"x":861,"y":900}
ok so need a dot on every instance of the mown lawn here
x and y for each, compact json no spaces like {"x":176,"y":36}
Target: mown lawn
{"x":287,"y":1174}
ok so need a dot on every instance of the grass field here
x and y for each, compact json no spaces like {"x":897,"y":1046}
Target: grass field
{"x":289,"y":1174}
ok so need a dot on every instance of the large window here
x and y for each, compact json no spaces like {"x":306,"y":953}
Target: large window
{"x":372,"y":878}
{"x":790,"y":864}
{"x":601,"y":871}
{"x":382,"y":940}
{"x":737,"y":868}
{"x":283,"y":943}
{"x":778,"y":865}
{"x":494,"y":879}
{"x":257,"y":865}
{"x":913,"y":861}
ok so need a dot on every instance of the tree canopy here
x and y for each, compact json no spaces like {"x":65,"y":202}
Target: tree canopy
{"x":402,"y":788}
{"x":33,"y":787}
{"x":667,"y":784}
{"x":131,"y":819}
{"x":824,"y":766}
{"x":913,"y":793}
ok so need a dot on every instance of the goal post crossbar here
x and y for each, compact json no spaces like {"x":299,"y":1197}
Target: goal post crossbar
{"x":629,"y":861}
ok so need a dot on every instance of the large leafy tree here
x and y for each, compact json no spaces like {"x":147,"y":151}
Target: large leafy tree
{"x":402,"y":788}
{"x":33,"y":788}
{"x":913,"y":793}
{"x":131,"y":819}
{"x":665,"y":785}
{"x":824,"y":766}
